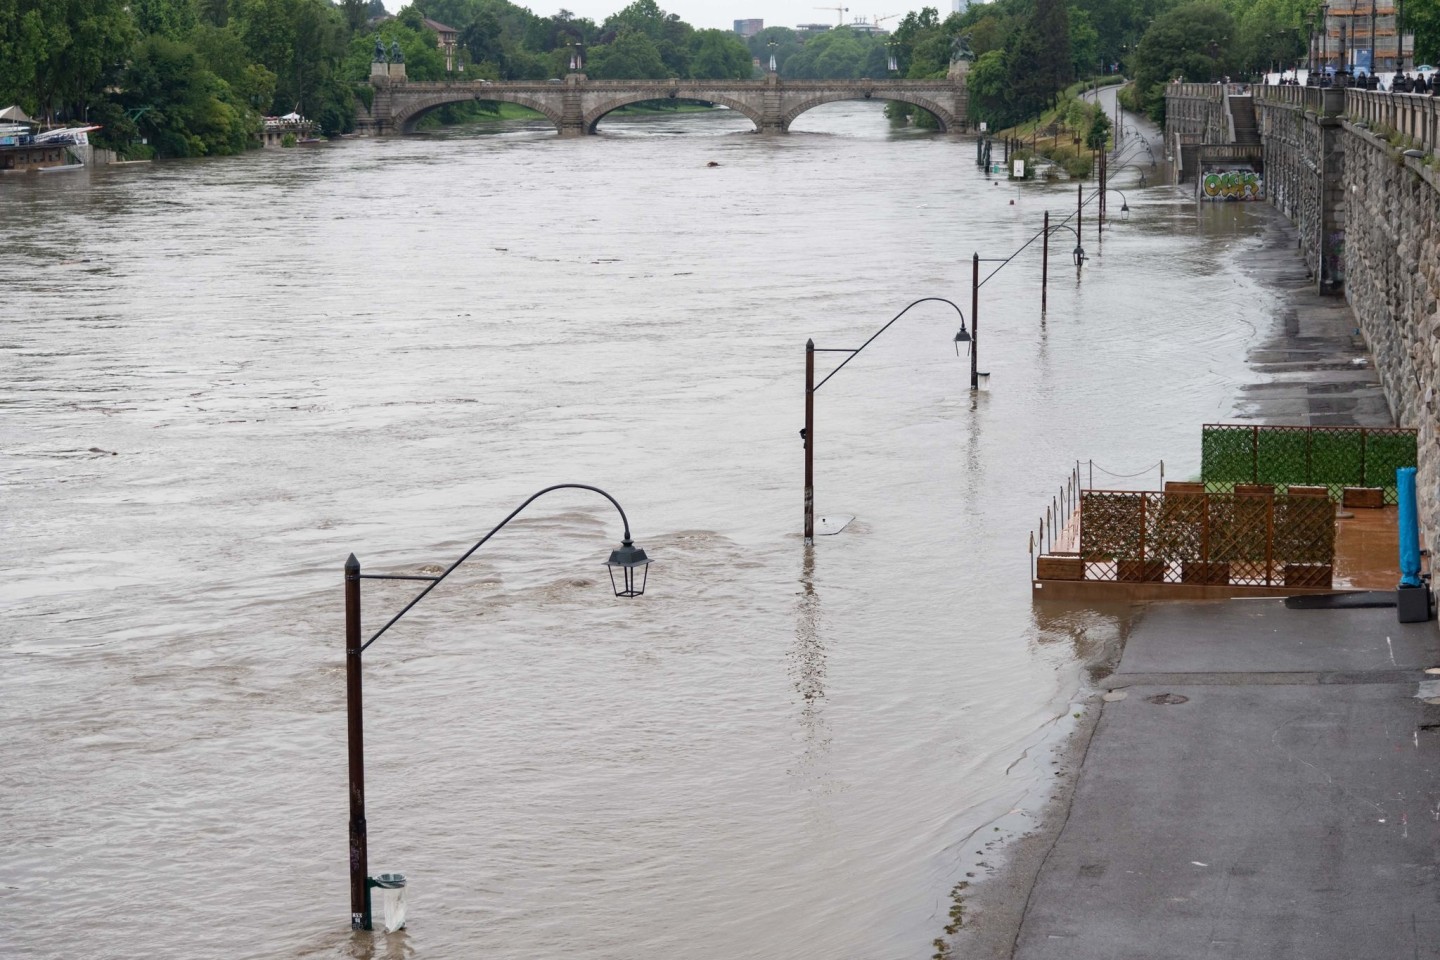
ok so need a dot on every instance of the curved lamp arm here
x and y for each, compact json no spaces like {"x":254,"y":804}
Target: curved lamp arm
{"x":883,"y":329}
{"x":628,"y":550}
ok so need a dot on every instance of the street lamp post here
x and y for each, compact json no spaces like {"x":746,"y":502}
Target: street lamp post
{"x":627,"y":562}
{"x":808,"y":433}
{"x":1372,"y":43}
{"x":1077,"y":255}
{"x":772,"y":45}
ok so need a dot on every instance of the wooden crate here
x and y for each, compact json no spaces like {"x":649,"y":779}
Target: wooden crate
{"x":1366,"y":498}
{"x":1140,"y":571}
{"x":1209,"y":572}
{"x":1059,"y":568}
{"x":1254,"y":490}
{"x":1184,"y":486}
{"x":1308,"y":575}
{"x":1298,"y":491}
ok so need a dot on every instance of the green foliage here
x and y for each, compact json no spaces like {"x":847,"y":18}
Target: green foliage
{"x":1098,"y":135}
{"x":57,"y":56}
{"x":719,"y":55}
{"x":1191,"y":41}
{"x":288,"y":140}
{"x":632,"y":55}
{"x":193,"y":75}
{"x":183,"y":108}
{"x":787,"y":44}
{"x":835,"y":54}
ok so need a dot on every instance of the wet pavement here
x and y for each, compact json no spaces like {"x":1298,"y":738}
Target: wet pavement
{"x":1252,"y":781}
{"x":1272,"y":794}
{"x":1316,"y":368}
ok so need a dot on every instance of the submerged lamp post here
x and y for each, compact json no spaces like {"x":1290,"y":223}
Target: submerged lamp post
{"x":628,"y":573}
{"x":808,"y":433}
{"x":1077,"y":255}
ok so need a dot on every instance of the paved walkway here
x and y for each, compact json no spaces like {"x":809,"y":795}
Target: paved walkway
{"x":1259,"y":782}
{"x":1266,"y":789}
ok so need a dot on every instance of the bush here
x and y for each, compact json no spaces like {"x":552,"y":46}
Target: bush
{"x":288,"y":140}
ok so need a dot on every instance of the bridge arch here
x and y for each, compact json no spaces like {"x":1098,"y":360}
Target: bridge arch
{"x":944,"y":117}
{"x":592,"y":117}
{"x":406,"y":118}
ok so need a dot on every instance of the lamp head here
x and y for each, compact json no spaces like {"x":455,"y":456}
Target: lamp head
{"x":625,"y":561}
{"x":1079,"y":254}
{"x":963,"y":336}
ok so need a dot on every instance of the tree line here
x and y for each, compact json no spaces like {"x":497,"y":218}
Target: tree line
{"x":194,"y":77}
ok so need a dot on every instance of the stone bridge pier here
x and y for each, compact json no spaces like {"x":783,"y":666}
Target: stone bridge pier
{"x":577,"y":104}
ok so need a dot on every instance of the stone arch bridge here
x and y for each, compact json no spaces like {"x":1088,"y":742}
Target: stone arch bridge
{"x":577,"y":104}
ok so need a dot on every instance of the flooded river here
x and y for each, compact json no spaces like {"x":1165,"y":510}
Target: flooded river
{"x":221,"y":377}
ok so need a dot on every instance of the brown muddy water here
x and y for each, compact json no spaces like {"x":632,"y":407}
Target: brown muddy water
{"x":221,"y":377}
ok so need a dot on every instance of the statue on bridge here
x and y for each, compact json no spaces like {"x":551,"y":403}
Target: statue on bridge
{"x":379,"y":50}
{"x":396,"y":54}
{"x":960,"y":49}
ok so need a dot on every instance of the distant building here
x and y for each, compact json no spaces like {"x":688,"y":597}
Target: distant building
{"x":445,"y":40}
{"x":748,"y":28}
{"x":812,"y":27}
{"x":1353,"y":28}
{"x":860,"y":25}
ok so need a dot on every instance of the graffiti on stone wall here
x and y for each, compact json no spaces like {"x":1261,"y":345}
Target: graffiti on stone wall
{"x":1232,"y":185}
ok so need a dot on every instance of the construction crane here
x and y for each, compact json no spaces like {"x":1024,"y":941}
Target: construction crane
{"x":879,"y":20}
{"x":839,"y":14}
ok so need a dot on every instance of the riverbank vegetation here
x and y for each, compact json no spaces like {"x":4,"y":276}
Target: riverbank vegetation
{"x":1067,"y":135}
{"x":194,"y":77}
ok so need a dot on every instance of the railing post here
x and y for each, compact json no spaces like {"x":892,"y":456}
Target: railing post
{"x":1269,"y":539}
{"x":1205,"y":531}
{"x":1143,"y":498}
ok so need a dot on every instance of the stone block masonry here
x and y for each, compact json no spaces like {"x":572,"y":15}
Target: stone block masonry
{"x":1368,"y":219}
{"x":1392,"y":280}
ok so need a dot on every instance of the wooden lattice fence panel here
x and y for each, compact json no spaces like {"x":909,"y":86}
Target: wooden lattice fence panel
{"x":1387,"y":450}
{"x":1210,"y":538}
{"x":1333,"y":457}
{"x":1337,"y":458}
{"x":1227,"y":455}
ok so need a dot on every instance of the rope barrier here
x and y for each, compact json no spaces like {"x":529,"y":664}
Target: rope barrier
{"x":1127,"y":476}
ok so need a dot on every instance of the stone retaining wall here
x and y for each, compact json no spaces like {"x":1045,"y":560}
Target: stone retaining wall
{"x":1392,"y":280}
{"x":1304,"y":166}
{"x":1368,"y":219}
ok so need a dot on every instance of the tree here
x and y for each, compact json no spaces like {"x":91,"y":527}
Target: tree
{"x":184,"y":109}
{"x":632,"y":56}
{"x":719,"y":55}
{"x":59,"y":55}
{"x":1099,"y":135}
{"x":1190,"y":41}
{"x":1051,"y":27}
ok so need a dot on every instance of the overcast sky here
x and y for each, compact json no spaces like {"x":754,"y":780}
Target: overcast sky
{"x":724,"y":13}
